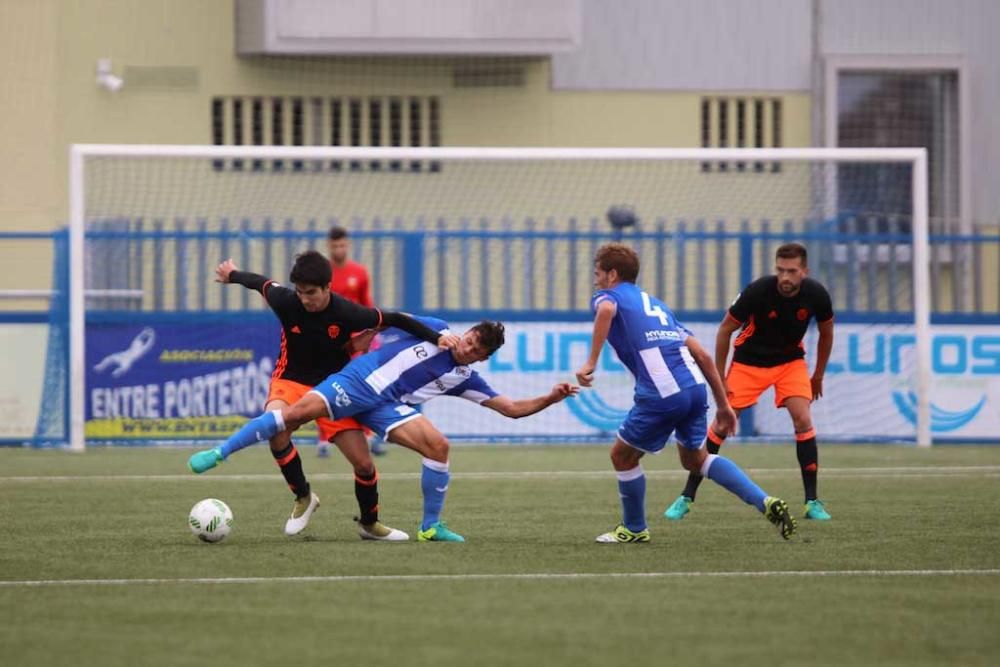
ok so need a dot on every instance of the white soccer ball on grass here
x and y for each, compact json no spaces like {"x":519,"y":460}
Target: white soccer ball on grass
{"x":211,"y":520}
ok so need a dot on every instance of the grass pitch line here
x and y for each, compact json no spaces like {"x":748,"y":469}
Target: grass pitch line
{"x":899,"y":471}
{"x":554,"y":576}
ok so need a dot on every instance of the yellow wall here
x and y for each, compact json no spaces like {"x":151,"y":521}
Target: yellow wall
{"x":57,"y":44}
{"x":30,"y":180}
{"x":50,"y":100}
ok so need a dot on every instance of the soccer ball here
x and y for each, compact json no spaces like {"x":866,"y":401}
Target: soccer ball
{"x":211,"y":520}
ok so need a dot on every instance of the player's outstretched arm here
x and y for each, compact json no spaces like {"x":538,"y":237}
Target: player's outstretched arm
{"x":602,"y":325}
{"x":228,"y":272}
{"x":360,"y":342}
{"x":725,"y":417}
{"x":224,"y":269}
{"x":417,"y":328}
{"x":515,"y":409}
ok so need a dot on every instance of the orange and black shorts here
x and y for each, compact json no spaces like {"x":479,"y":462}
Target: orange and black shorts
{"x":746,"y":383}
{"x":289,"y":392}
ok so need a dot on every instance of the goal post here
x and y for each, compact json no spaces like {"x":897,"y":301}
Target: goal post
{"x":521,"y":209}
{"x":922,"y":291}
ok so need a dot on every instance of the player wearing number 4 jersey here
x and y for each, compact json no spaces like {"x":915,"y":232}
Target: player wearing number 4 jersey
{"x":380,"y":388}
{"x":671,"y":370}
{"x":774,"y":313}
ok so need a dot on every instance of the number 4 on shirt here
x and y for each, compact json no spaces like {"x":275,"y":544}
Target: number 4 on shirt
{"x":654,"y":311}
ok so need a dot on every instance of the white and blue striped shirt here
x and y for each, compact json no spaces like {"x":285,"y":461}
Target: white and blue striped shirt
{"x":412,"y":371}
{"x":650,"y":342}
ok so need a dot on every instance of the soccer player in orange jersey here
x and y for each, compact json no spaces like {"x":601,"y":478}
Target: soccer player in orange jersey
{"x":773,"y":314}
{"x":349,"y":279}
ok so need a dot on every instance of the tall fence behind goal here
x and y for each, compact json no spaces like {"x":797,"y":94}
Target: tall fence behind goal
{"x":165,"y":355}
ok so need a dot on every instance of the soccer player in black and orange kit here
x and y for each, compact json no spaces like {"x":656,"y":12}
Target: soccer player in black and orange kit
{"x":316,"y":341}
{"x":774,"y":314}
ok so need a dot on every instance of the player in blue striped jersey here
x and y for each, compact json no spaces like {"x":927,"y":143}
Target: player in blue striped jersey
{"x":671,"y":370}
{"x":380,"y":388}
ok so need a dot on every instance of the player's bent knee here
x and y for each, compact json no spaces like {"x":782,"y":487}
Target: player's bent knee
{"x":801,"y":424}
{"x":624,"y":457}
{"x":360,"y":460}
{"x":439,"y":448}
{"x":308,"y":408}
{"x":280,"y":441}
{"x":617,"y":458}
{"x":692,"y":460}
{"x":295,"y":417}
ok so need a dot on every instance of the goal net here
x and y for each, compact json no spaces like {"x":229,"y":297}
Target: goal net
{"x":161,"y":353}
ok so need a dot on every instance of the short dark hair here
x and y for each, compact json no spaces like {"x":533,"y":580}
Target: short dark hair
{"x":336,"y":233}
{"x":311,"y":268}
{"x":791,"y":251}
{"x":619,"y":257}
{"x":490,"y":335}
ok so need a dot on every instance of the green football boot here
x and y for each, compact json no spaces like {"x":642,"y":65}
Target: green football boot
{"x":678,"y":508}
{"x":622,"y":535}
{"x":776,"y":511}
{"x":815,"y":510}
{"x":204,"y":460}
{"x":439,"y":532}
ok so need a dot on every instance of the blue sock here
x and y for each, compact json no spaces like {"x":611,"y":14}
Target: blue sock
{"x":727,"y":474}
{"x":260,"y":428}
{"x":434,"y":483}
{"x":632,"y":490}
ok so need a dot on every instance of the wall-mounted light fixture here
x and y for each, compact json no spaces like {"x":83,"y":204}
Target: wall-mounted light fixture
{"x":105,"y":78}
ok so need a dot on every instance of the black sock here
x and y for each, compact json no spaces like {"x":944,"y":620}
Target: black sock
{"x":808,"y":461}
{"x":290,"y":463}
{"x":694,"y":480}
{"x":366,"y":491}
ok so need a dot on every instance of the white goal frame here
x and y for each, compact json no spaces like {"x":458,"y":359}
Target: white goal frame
{"x":79,"y":153}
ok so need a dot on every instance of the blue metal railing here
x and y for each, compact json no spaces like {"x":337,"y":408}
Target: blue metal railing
{"x":536,"y":272}
{"x":52,"y":425}
{"x":541,"y":272}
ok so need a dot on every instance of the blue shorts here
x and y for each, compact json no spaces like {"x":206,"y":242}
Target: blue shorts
{"x":387,"y":417}
{"x":649,"y":424}
{"x":345,"y":396}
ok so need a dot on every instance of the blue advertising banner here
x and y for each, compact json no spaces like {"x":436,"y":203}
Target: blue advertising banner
{"x":176,"y":380}
{"x":171,"y":379}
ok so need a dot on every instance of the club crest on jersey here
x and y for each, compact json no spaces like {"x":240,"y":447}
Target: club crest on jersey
{"x":802,"y":314}
{"x":333,"y":331}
